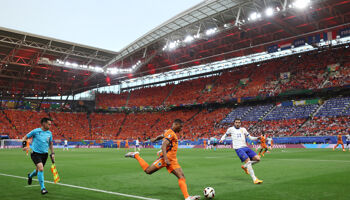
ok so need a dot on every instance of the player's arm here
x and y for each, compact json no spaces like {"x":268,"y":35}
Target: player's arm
{"x":165,"y":144}
{"x":224,"y":137}
{"x":24,"y":143}
{"x":159,"y":137}
{"x":25,"y":140}
{"x":251,"y":137}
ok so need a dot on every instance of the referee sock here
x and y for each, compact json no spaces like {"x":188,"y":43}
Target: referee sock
{"x":33,"y":174}
{"x":41,"y":179}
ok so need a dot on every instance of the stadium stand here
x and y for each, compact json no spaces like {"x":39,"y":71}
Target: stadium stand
{"x":105,"y":126}
{"x":153,"y":96}
{"x":106,"y":100}
{"x":72,"y":126}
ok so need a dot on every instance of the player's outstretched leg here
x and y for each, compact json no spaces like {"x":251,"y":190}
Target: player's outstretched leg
{"x":264,"y":152}
{"x":144,"y":165}
{"x":342,"y":146}
{"x":248,"y":165}
{"x":182,"y":184}
{"x":335,"y":147}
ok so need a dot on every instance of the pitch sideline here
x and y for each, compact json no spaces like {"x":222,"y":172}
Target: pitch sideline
{"x":84,"y":188}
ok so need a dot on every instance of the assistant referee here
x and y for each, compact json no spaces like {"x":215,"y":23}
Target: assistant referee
{"x":42,"y":141}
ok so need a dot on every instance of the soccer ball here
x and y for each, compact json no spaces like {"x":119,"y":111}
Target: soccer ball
{"x":209,"y":192}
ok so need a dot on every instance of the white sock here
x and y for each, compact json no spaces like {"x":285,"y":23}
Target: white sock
{"x":250,"y":162}
{"x":251,"y":171}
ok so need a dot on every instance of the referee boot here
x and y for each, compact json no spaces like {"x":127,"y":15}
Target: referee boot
{"x":30,"y":179}
{"x":44,"y":191}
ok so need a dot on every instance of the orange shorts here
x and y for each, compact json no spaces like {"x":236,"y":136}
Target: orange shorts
{"x":339,"y":143}
{"x":263,"y":146}
{"x":160,"y":163}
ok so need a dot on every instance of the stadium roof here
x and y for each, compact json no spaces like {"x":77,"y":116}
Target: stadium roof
{"x":234,"y":28}
{"x":21,"y":52}
{"x":218,"y":30}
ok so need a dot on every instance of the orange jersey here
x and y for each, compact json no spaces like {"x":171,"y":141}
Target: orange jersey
{"x":172,"y":148}
{"x":340,"y":140}
{"x":262,"y":140}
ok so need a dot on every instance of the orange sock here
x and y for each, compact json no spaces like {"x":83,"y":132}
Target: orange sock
{"x":342,"y":146}
{"x":142,"y":163}
{"x":183,"y":187}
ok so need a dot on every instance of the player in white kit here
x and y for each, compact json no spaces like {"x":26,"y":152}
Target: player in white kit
{"x":239,"y":143}
{"x":348,"y":141}
{"x":65,"y":145}
{"x":137,"y":144}
{"x":269,"y":142}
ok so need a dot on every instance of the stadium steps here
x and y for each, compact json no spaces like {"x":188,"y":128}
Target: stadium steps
{"x":318,"y":109}
{"x":346,"y":107}
{"x":49,"y":114}
{"x":214,"y":83}
{"x":191,"y":118}
{"x":171,"y":91}
{"x":121,"y":125}
{"x":89,"y":121}
{"x":325,"y":81}
{"x":127,"y":100}
{"x":306,"y":122}
{"x":13,"y":125}
{"x":268,"y":112}
{"x":263,"y":117}
{"x":155,"y":123}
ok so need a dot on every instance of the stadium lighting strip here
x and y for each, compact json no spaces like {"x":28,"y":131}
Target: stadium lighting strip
{"x":199,"y":69}
{"x":226,"y":64}
{"x":269,"y":11}
{"x":98,"y":69}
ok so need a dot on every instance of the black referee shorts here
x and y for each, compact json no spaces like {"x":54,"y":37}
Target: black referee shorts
{"x":39,"y":157}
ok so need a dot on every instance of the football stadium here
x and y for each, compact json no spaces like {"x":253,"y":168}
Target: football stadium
{"x":235,"y":99}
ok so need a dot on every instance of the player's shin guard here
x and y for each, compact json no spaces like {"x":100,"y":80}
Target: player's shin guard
{"x":144,"y":165}
{"x":183,"y":187}
{"x":41,"y":179}
{"x":34,"y":173}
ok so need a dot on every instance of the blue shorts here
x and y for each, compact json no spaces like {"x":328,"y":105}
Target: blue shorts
{"x":245,"y":153}
{"x":65,"y":145}
{"x":137,"y":146}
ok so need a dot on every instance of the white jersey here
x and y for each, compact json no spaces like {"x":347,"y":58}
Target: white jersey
{"x":347,"y":138}
{"x":269,"y":140}
{"x":238,"y":137}
{"x":65,"y":142}
{"x":137,"y":142}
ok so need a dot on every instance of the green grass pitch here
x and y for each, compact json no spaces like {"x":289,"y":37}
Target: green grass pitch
{"x":287,"y":174}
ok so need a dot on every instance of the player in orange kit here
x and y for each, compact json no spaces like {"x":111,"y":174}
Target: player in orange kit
{"x":340,"y":142}
{"x":126,"y":144}
{"x":263,"y":145}
{"x":167,"y":158}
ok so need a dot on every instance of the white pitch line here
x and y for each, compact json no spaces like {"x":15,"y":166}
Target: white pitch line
{"x":84,"y":188}
{"x":31,"y":185}
{"x":311,"y":160}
